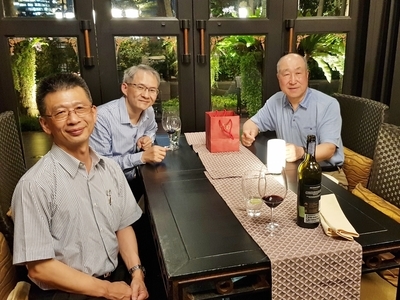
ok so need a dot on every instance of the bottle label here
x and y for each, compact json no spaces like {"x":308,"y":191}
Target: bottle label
{"x":309,"y":210}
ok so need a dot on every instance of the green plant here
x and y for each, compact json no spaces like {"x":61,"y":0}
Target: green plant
{"x":57,"y":55}
{"x":130,"y":52}
{"x":251,"y":84}
{"x":23,"y":65}
{"x":327,"y":50}
{"x":170,"y":104}
{"x":310,"y":8}
{"x":228,"y":102}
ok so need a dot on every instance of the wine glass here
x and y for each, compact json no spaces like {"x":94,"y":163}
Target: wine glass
{"x":172,"y":125}
{"x":272,"y":188}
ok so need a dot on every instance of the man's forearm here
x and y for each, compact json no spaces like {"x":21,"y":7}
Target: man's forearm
{"x":128,"y":247}
{"x":58,"y":275}
{"x":325,"y":151}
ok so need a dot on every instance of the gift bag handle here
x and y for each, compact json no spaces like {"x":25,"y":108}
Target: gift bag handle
{"x":217,"y":113}
{"x":223,"y":128}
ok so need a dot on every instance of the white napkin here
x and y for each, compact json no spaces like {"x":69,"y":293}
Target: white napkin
{"x":333,"y":220}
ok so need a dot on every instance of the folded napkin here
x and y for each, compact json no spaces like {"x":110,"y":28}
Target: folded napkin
{"x":333,"y":220}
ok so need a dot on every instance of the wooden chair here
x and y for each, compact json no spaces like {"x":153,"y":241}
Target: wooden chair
{"x":361,"y":120}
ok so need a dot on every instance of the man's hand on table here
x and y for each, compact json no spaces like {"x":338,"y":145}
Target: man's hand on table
{"x":154,"y":154}
{"x":139,"y":290}
{"x":248,"y":137}
{"x":144,"y":143}
{"x":293,"y":152}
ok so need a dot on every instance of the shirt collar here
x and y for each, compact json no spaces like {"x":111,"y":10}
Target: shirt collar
{"x":304,"y":103}
{"x":70,"y":163}
{"x":123,"y":111}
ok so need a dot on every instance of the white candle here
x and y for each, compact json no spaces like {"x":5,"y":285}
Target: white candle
{"x":276,"y":155}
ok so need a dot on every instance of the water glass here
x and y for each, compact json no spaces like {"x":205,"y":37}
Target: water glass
{"x":174,"y":142}
{"x":172,"y":125}
{"x":252,"y":199}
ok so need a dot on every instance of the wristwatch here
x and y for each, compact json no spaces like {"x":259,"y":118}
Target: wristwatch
{"x":137,"y":267}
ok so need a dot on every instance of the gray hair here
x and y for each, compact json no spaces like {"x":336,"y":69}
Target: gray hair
{"x":130,"y":73}
{"x":278,"y":65}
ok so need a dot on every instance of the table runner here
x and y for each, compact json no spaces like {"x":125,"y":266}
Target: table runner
{"x":305,"y":263}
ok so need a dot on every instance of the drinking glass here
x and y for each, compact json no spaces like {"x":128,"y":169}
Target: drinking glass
{"x":272,"y":188}
{"x":172,"y":125}
{"x":251,"y":196}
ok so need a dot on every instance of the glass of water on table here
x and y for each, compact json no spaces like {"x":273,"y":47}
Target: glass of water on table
{"x":252,"y":199}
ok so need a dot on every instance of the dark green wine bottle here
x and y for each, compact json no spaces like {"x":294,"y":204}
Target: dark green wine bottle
{"x":309,"y":176}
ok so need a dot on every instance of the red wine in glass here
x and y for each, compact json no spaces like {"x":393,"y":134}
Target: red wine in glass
{"x":272,"y":201}
{"x":171,"y":131}
{"x":272,"y":188}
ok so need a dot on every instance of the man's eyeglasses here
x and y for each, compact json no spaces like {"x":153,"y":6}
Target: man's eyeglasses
{"x":62,"y":114}
{"x":141,"y":88}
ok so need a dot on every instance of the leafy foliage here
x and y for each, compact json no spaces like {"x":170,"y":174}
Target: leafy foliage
{"x":56,"y":56}
{"x":229,"y":8}
{"x":170,"y":104}
{"x":226,"y":53}
{"x":23,"y":65}
{"x":135,"y":50}
{"x":224,"y":102}
{"x":328,"y":50}
{"x":251,"y":83}
{"x":311,"y":8}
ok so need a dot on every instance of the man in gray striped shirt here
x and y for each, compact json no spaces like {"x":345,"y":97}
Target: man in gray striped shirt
{"x":73,"y":209}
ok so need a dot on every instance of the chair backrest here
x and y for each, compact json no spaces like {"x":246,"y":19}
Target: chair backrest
{"x":11,"y":170}
{"x":385,"y":174}
{"x":361,"y":120}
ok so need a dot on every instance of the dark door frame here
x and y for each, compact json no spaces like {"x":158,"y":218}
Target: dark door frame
{"x":194,"y":84}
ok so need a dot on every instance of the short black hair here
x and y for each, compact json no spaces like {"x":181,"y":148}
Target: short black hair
{"x":58,"y":82}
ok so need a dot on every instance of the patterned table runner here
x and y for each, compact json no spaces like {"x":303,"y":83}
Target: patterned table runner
{"x":306,"y":264}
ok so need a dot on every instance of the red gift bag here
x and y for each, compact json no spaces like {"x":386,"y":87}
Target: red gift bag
{"x":222,"y":131}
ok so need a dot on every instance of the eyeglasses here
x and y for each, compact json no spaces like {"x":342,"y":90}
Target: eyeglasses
{"x":62,"y":114}
{"x":141,"y":88}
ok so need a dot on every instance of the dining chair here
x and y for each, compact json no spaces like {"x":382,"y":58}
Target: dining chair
{"x":12,"y":168}
{"x":361,"y":120}
{"x":385,"y":173}
{"x":383,"y":189}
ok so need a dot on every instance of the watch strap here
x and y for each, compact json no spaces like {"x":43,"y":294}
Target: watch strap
{"x":137,"y":267}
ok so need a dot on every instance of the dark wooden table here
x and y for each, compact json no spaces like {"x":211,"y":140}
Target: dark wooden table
{"x":203,"y":250}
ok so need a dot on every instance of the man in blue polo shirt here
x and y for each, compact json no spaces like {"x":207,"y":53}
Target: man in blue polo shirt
{"x":297,"y":111}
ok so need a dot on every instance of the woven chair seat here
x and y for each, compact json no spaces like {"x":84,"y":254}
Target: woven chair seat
{"x":361,"y":120}
{"x":385,"y":174}
{"x":12,"y":168}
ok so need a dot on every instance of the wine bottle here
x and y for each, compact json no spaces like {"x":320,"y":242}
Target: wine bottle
{"x":309,"y":176}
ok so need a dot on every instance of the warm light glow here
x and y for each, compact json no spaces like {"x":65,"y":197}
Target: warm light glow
{"x":132,"y":13}
{"x":116,"y":13}
{"x":276,"y":155}
{"x":243,"y":12}
{"x":59,"y":14}
{"x":69,"y":15}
